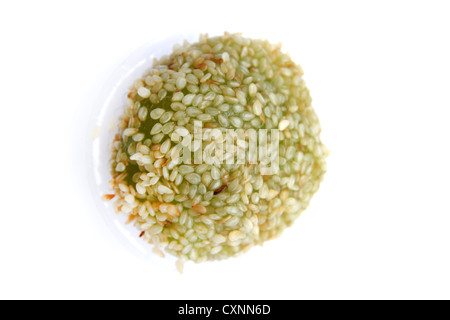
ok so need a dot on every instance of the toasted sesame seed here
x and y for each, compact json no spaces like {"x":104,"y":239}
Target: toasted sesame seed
{"x":173,"y":211}
{"x":199,"y":208}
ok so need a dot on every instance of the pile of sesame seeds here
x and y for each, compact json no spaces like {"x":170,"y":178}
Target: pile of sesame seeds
{"x":215,"y":210}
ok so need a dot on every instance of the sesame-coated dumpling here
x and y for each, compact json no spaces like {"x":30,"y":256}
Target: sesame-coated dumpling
{"x":220,"y":91}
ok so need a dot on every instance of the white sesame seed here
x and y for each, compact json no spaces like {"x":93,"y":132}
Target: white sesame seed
{"x":181,"y":83}
{"x":283,"y":125}
{"x":156,"y":129}
{"x":252,"y":89}
{"x":215,"y":173}
{"x":193,"y":178}
{"x":165,"y":146}
{"x":144,"y":92}
{"x":130,"y":132}
{"x":166,"y":117}
{"x":182,"y":132}
{"x":153,"y":181}
{"x":155,"y":114}
{"x":236,"y":122}
{"x":218,"y":239}
{"x":257,"y":108}
{"x":156,"y":229}
{"x":164,"y":190}
{"x":120,"y":167}
{"x":235,"y":235}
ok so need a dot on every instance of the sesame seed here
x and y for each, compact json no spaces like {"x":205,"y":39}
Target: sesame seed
{"x":182,"y":132}
{"x":236,"y":122}
{"x":164,"y":190}
{"x":155,"y":114}
{"x":257,"y":108}
{"x":156,"y":129}
{"x":193,"y":178}
{"x":181,"y":83}
{"x":252,"y":89}
{"x":283,"y":125}
{"x":144,"y":92}
{"x":235,"y":235}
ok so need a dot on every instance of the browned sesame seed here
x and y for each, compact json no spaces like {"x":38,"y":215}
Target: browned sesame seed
{"x":108,"y":197}
{"x":220,"y":190}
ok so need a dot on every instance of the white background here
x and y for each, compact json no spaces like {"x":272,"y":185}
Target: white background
{"x":379,"y":227}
